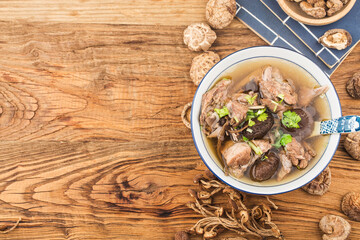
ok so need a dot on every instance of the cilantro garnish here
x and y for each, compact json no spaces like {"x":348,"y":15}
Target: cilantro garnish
{"x":262,"y":117}
{"x":291,"y":119}
{"x":282,"y":139}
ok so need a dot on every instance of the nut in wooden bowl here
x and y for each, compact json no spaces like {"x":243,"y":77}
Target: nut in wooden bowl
{"x":316,"y":12}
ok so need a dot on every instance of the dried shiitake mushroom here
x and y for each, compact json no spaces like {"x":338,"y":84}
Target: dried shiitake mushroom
{"x":320,"y":184}
{"x":199,"y":36}
{"x":185,"y":114}
{"x":350,"y":205}
{"x":352,"y":145}
{"x":220,"y":13}
{"x":334,"y":6}
{"x":201,"y":64}
{"x":353,"y":86}
{"x":316,"y":12}
{"x":334,"y":227}
{"x":336,"y":38}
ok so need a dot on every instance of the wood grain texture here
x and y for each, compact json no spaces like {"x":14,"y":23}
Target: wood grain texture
{"x":149,"y":12}
{"x":92,"y":144}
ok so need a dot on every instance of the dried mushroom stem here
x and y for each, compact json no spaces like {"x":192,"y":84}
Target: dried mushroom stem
{"x":239,"y":218}
{"x":13,"y":227}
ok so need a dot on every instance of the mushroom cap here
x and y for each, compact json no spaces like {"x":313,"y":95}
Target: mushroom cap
{"x":336,"y":38}
{"x":185,"y":114}
{"x":334,"y":227}
{"x":260,"y":129}
{"x":352,"y":145}
{"x":220,"y":13}
{"x":320,"y":184}
{"x":199,"y":36}
{"x":201,"y":64}
{"x":264,"y":169}
{"x":353,"y":86}
{"x":350,"y":205}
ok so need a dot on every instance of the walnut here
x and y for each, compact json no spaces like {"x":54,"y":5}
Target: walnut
{"x":350,"y":205}
{"x":334,"y":227}
{"x":185,"y":114}
{"x":220,"y":13}
{"x":353,"y":86}
{"x":316,"y":12}
{"x":352,"y":145}
{"x":182,"y":235}
{"x":199,"y":36}
{"x":320,"y":184}
{"x":201,"y":64}
{"x":294,"y":0}
{"x":336,"y":38}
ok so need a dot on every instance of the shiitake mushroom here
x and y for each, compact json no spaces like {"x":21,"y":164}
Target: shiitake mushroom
{"x":264,"y":168}
{"x":306,"y":124}
{"x":260,"y":129}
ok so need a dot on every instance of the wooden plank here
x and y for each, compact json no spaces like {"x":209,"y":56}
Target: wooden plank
{"x":134,"y":190}
{"x":76,"y":82}
{"x":149,"y":12}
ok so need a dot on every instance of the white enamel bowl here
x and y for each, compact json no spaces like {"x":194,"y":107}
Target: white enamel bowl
{"x":244,"y":55}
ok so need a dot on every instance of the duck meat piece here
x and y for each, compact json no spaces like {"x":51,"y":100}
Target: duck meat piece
{"x":212,"y":99}
{"x":236,"y":158}
{"x":299,"y":153}
{"x":273,"y":84}
{"x":307,"y":95}
{"x":236,"y":154}
{"x":264,"y":145}
{"x":237,"y":110}
{"x":286,"y":166}
{"x":244,"y":98}
{"x":295,"y":152}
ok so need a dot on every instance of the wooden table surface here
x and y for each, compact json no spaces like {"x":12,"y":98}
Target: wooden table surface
{"x":92,"y":143}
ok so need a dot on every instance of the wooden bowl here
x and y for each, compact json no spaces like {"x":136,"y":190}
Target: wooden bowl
{"x":294,"y":11}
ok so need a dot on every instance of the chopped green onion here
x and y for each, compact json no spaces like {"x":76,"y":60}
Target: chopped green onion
{"x":255,"y":148}
{"x":250,"y":99}
{"x":236,"y":119}
{"x":249,"y":130}
{"x":222,"y":112}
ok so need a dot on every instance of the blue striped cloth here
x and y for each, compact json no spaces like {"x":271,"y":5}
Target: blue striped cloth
{"x":277,"y":29}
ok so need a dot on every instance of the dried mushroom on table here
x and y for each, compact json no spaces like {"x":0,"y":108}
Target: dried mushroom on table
{"x":353,"y":86}
{"x":321,"y":8}
{"x":201,"y":64}
{"x":350,"y":205}
{"x":352,"y":145}
{"x":185,"y":114}
{"x":220,"y":13}
{"x":320,"y":184}
{"x":334,"y":227}
{"x":235,"y":216}
{"x":199,"y":36}
{"x":336,"y":38}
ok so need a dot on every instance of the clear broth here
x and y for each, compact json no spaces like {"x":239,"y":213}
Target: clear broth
{"x":300,"y":77}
